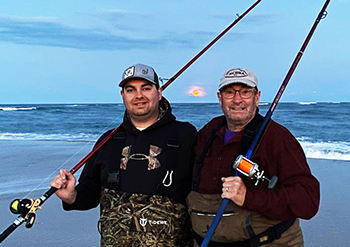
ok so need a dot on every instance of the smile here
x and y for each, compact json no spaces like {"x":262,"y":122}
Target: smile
{"x":237,"y":108}
{"x":140,"y":103}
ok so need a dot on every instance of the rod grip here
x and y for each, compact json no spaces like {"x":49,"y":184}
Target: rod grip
{"x":7,"y":232}
{"x":50,"y":192}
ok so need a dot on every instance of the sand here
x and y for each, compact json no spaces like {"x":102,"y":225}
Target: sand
{"x":55,"y":227}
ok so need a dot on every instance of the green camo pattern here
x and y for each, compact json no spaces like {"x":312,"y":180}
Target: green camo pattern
{"x":142,"y":220}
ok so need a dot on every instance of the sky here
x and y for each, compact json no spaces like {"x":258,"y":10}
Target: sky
{"x":76,"y":51}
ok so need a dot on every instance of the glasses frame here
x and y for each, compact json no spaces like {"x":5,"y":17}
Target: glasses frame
{"x":225,"y":96}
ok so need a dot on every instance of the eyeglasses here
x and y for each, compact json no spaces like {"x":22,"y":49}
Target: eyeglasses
{"x":231,"y":93}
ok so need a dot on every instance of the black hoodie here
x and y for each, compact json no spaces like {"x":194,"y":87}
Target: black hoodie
{"x":146,"y":158}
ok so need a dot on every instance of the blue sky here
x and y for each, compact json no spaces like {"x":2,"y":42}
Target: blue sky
{"x":75,"y":51}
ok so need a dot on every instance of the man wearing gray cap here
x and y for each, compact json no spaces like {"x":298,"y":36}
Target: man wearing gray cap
{"x":142,"y":176}
{"x":255,"y":215}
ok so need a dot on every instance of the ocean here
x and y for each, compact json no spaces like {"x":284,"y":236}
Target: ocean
{"x":37,"y":140}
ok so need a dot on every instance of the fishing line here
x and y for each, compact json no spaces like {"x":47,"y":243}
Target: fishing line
{"x":29,"y":216}
{"x":76,"y":153}
{"x":257,"y":138}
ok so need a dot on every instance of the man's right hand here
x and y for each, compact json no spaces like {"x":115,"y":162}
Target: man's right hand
{"x":65,"y":184}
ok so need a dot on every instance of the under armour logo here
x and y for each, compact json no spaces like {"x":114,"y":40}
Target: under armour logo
{"x":153,"y":162}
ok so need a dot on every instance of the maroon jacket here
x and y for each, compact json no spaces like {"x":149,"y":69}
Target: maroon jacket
{"x":297,"y":193}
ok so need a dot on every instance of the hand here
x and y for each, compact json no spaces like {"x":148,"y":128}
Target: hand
{"x":65,"y":184}
{"x":234,"y":189}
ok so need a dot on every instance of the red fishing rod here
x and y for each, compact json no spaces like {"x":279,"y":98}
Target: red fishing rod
{"x":242,"y":164}
{"x":26,"y":208}
{"x":210,"y":45}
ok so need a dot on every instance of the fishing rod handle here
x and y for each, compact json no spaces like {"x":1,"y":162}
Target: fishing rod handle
{"x":48,"y":193}
{"x":11,"y":228}
{"x":7,"y":232}
{"x":215,"y":222}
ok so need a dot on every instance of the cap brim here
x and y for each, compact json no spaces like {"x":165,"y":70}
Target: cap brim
{"x":225,"y":83}
{"x":122,"y":83}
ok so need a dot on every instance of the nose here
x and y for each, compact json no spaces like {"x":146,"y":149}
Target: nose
{"x":237,"y":96}
{"x":139,"y":94}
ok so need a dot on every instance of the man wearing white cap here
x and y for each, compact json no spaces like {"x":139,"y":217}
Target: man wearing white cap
{"x":142,"y":176}
{"x":255,"y":215}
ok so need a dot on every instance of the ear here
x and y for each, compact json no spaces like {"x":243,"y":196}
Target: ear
{"x":219,"y":98}
{"x":159,"y":93}
{"x":257,"y":98}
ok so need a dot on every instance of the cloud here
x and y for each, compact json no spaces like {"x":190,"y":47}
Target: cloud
{"x":251,"y":18}
{"x":119,"y":19}
{"x":52,"y":32}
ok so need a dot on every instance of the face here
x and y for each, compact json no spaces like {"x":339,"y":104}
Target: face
{"x":141,"y":100}
{"x":238,"y":111}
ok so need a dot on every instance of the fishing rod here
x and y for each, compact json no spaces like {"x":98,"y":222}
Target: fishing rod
{"x":242,"y":164}
{"x":26,"y":208}
{"x":210,"y":44}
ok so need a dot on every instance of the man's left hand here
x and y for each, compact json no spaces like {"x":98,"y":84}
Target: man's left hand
{"x":234,"y":189}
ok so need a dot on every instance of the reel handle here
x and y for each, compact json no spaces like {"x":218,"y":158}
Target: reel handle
{"x":30,"y":220}
{"x":272,"y":182}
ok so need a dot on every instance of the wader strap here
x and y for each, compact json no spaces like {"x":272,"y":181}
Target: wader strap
{"x":266,"y":237}
{"x":248,"y":225}
{"x":200,"y":160}
{"x":249,"y":132}
{"x":173,"y":154}
{"x":272,"y":233}
{"x":248,"y":135}
{"x":113,"y":173}
{"x":173,"y":145}
{"x":199,"y":241}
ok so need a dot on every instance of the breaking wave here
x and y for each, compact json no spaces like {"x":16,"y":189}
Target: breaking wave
{"x":326,"y":150}
{"x":80,"y":137}
{"x":17,"y":108}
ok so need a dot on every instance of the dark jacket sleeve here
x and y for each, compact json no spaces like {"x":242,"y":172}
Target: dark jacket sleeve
{"x":297,"y":194}
{"x":89,"y":186}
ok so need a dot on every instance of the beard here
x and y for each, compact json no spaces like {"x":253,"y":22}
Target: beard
{"x":240,"y":115}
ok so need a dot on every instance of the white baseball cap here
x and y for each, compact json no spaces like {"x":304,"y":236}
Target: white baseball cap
{"x":238,"y":75}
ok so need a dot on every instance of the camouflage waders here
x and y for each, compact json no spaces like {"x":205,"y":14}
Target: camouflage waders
{"x":142,"y":220}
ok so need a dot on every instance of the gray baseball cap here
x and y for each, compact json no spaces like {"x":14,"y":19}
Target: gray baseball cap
{"x":140,"y":71}
{"x":238,"y":75}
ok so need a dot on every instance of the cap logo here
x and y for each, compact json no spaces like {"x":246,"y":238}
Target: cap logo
{"x":145,"y":71}
{"x":129,"y":72}
{"x":236,"y":73}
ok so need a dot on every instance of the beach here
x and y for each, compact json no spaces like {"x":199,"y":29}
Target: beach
{"x":56,"y":227}
{"x":37,"y":140}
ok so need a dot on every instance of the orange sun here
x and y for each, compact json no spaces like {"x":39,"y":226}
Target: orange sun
{"x":196,"y":91}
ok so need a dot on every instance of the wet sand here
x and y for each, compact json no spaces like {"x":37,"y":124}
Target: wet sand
{"x":55,"y":227}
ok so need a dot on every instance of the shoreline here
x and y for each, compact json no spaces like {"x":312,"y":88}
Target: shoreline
{"x":56,"y":227}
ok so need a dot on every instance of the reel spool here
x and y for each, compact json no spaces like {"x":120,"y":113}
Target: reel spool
{"x":21,"y":206}
{"x":251,"y":170}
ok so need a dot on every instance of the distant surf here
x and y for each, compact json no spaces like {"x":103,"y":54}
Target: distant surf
{"x":17,"y":108}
